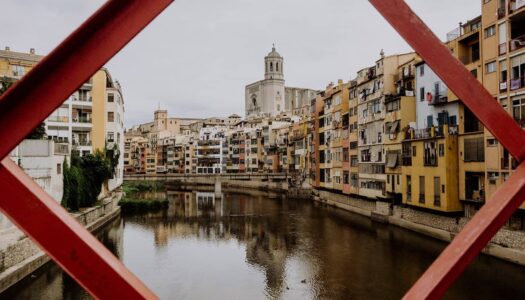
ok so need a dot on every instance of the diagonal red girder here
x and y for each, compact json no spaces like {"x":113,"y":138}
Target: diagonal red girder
{"x":27,"y":104}
{"x":506,"y":200}
{"x":67,"y":67}
{"x":454,"y":74}
{"x":64,"y":239}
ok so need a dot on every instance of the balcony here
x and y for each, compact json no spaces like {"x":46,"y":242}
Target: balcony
{"x":438,"y":99}
{"x":515,"y":5}
{"x":516,"y":84}
{"x":61,"y":149}
{"x":84,"y":120}
{"x":501,"y":12}
{"x":82,"y":143}
{"x":59,"y":119}
{"x":517,"y":43}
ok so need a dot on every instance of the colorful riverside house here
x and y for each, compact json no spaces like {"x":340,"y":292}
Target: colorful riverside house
{"x":316,"y":110}
{"x":373,"y":84}
{"x":466,"y":43}
{"x":430,"y":161}
{"x":352,"y":139}
{"x":503,"y":67}
{"x":90,"y":119}
{"x":400,"y":111}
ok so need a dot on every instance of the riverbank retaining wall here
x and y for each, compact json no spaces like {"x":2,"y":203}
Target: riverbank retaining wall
{"x":507,"y":244}
{"x":19,"y":256}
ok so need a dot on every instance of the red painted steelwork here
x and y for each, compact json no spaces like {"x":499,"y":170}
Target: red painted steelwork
{"x":28,"y":103}
{"x":454,"y":74}
{"x":472,"y":239}
{"x":506,"y":200}
{"x":64,"y":239}
{"x":63,"y":71}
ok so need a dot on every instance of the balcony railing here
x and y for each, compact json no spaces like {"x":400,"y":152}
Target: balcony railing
{"x":517,"y":43}
{"x":515,"y":5}
{"x":81,"y":143}
{"x":516,"y":83}
{"x":438,"y":99}
{"x":82,"y":120}
{"x":61,"y":148}
{"x":501,"y":12}
{"x":58,"y":119}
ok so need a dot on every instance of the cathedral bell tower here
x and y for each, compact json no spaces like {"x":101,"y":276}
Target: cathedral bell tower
{"x":273,"y":65}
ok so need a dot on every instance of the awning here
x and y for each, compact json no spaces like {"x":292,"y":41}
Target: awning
{"x":394,"y":126}
{"x":391,"y":160}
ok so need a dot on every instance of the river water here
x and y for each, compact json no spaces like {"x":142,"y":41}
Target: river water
{"x":262,"y":246}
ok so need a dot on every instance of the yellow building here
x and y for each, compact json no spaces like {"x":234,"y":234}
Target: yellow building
{"x":430,"y":168}
{"x":467,"y":44}
{"x":400,"y":111}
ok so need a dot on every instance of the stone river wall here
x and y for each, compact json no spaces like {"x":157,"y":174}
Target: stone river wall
{"x":19,"y":256}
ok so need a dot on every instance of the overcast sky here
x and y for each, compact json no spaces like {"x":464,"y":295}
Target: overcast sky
{"x":196,"y":58}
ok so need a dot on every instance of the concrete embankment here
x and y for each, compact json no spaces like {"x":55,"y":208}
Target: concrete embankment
{"x":19,"y":256}
{"x":507,"y":244}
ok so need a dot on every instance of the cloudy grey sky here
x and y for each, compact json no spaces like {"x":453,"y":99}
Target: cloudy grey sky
{"x":196,"y":58}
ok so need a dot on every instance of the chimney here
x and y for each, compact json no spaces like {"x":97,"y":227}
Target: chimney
{"x":7,"y":48}
{"x":32,"y":51}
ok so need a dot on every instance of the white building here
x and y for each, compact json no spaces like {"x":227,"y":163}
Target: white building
{"x":432,"y":108}
{"x":43,"y":160}
{"x":115,"y":130}
{"x":209,"y":150}
{"x":269,"y":97}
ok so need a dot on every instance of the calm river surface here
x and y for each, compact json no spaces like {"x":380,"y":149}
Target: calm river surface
{"x":258,"y":246}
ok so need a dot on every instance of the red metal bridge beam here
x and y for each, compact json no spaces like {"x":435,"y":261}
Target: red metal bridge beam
{"x":27,"y":104}
{"x":64,"y":239}
{"x":454,"y":74}
{"x":485,"y":224}
{"x":67,"y":67}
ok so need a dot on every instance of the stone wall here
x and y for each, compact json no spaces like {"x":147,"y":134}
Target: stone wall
{"x":20,"y":257}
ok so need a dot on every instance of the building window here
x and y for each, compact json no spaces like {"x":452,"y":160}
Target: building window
{"x":492,"y":142}
{"x":441,"y":150}
{"x":430,"y":157}
{"x":111,"y":137}
{"x":18,"y":71}
{"x":111,"y":116}
{"x":111,"y":98}
{"x":409,"y":188}
{"x":518,"y":111}
{"x":422,"y":70}
{"x":422,"y":94}
{"x":490,"y":67}
{"x":474,"y":150}
{"x":421,"y":189}
{"x":490,"y":31}
{"x":437,"y":191}
{"x":59,"y":169}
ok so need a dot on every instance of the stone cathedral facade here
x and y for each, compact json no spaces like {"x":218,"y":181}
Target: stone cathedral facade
{"x":270,"y":97}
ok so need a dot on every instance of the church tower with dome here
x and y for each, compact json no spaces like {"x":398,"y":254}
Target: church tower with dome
{"x":266,"y":97}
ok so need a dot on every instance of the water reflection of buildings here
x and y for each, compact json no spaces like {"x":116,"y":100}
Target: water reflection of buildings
{"x":269,"y":239}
